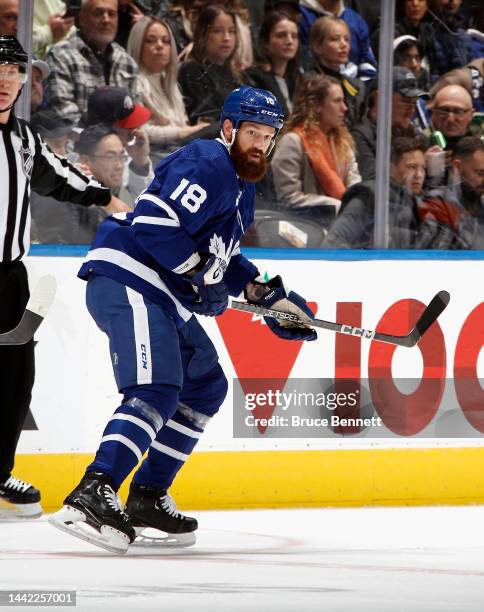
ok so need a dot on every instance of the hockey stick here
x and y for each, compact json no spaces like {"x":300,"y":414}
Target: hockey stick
{"x":429,"y":316}
{"x":35,"y":311}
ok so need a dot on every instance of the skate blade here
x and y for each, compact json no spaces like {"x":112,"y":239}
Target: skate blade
{"x":148,"y":537}
{"x":19,"y":512}
{"x":73,"y":521}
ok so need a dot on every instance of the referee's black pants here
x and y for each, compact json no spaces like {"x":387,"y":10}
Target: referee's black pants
{"x":17,"y":366}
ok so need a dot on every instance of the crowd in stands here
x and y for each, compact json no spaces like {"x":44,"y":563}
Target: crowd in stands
{"x":119,"y":84}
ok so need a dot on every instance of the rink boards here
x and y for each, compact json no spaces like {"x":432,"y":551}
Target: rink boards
{"x":428,"y":448}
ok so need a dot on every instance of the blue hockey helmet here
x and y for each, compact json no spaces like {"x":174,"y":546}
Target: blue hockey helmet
{"x":251,"y":104}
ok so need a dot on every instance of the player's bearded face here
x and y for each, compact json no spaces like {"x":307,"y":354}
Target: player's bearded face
{"x":250,"y":164}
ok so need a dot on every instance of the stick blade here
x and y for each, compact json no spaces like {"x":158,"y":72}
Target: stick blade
{"x":42,"y":295}
{"x":433,"y":311}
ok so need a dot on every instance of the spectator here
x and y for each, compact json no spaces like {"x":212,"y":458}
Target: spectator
{"x":243,"y":55}
{"x":453,"y":217}
{"x":290,"y":7}
{"x":361,"y":54}
{"x":103,"y":156}
{"x":471,"y":77}
{"x":314,"y":162}
{"x":115,"y":107}
{"x":102,"y":152}
{"x":54,"y":221}
{"x":353,"y":227}
{"x":209,"y":75}
{"x":451,"y":44}
{"x":278,"y":66}
{"x":407,"y":52}
{"x":40,"y":71}
{"x":412,"y":17}
{"x":89,"y":59}
{"x":50,"y":25}
{"x":451,"y":113}
{"x":329,"y":41}
{"x":8,"y":17}
{"x":404,"y":103}
{"x":152,"y":46}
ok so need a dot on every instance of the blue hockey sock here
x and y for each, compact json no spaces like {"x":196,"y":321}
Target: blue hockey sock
{"x":127,"y":436}
{"x":169,"y":451}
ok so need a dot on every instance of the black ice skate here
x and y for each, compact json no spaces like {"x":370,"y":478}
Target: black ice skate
{"x":152,"y":511}
{"x":18,"y":500}
{"x":93,"y":512}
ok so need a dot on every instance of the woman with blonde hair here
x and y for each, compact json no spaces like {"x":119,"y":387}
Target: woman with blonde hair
{"x":314,"y":163}
{"x":152,"y":46}
{"x":330,"y":44}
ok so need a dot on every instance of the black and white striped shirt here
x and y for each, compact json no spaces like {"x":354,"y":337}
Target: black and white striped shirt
{"x":26,"y":162}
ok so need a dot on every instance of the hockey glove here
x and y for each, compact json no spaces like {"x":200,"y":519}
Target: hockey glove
{"x":274,"y":295}
{"x":212,"y":293}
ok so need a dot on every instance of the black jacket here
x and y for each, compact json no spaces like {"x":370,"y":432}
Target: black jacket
{"x":204,"y":87}
{"x":353,"y":227}
{"x":267,"y":80}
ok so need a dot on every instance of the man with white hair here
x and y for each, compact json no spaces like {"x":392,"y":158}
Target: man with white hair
{"x":89,"y":58}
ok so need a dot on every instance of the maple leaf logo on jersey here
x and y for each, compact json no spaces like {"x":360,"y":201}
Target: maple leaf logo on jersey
{"x":217,"y":248}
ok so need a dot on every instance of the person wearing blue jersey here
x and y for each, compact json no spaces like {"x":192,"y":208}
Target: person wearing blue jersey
{"x":147,"y":273}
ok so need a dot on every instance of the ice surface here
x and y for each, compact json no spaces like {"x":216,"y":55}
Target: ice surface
{"x":367,"y":559}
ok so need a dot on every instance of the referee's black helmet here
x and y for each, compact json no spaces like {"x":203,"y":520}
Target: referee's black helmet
{"x":12,"y":52}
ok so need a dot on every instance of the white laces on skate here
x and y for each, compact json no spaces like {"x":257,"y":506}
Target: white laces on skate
{"x":112,"y":499}
{"x":168,"y":504}
{"x":16,"y":484}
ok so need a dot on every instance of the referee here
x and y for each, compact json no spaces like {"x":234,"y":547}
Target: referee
{"x":25,"y":163}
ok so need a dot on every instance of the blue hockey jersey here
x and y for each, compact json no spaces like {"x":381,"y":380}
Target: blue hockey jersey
{"x":196,"y":204}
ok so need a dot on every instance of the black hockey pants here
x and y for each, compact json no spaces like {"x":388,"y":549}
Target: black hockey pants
{"x":17,"y":366}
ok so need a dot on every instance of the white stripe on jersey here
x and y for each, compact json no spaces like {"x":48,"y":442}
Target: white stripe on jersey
{"x":144,"y":366}
{"x":159,"y":202}
{"x":16,"y":142}
{"x":5,"y":197}
{"x":73,"y":179}
{"x":171,"y":452}
{"x":188,"y":264}
{"x":156,"y":221}
{"x":126,"y":262}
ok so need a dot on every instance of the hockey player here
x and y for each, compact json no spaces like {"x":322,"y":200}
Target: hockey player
{"x":25,"y":163}
{"x":147,"y":272}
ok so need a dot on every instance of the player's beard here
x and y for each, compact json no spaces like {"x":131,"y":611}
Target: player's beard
{"x":246,"y":168}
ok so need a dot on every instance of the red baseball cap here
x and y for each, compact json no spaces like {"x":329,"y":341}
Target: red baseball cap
{"x":116,"y":105}
{"x":138,"y":117}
